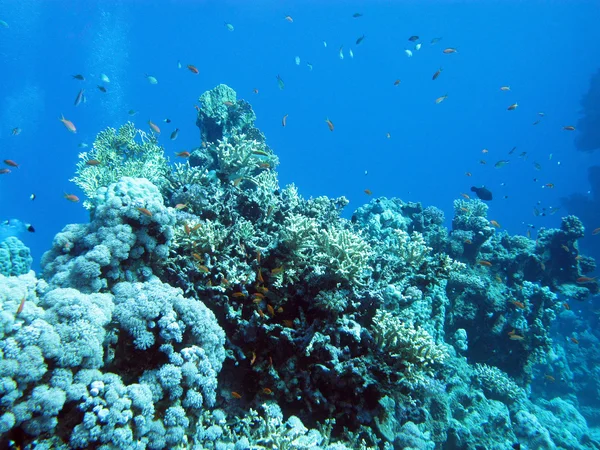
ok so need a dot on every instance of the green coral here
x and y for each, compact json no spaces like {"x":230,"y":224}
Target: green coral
{"x":128,"y":152}
{"x":413,"y":348}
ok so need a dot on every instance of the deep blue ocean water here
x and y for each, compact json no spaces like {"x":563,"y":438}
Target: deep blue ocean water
{"x":545,"y":51}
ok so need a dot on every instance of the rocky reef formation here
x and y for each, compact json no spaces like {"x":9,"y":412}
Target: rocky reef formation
{"x":212,"y":308}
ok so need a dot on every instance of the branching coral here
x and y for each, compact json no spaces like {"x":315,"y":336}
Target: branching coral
{"x":497,"y":383}
{"x":126,"y":153}
{"x":413,"y":348}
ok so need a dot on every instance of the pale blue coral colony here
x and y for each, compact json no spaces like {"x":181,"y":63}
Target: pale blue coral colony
{"x":204,"y":306}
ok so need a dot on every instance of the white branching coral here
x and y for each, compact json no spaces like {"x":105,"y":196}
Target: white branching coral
{"x":200,"y":237}
{"x":126,"y":153}
{"x":410,"y":248}
{"x":239,"y":157}
{"x":497,"y":384}
{"x":412,"y":347}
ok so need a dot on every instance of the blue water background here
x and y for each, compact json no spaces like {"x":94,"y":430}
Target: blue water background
{"x":545,"y":51}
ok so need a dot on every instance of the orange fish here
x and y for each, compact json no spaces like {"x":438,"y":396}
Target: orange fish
{"x":468,"y":241}
{"x":329,"y":124}
{"x":368,"y":192}
{"x":238,"y":294}
{"x":513,"y":107}
{"x":573,"y":340}
{"x":267,"y":391}
{"x":270,"y":310}
{"x":72,"y":198}
{"x":145,"y":211}
{"x":288,"y":323}
{"x":154,"y":127}
{"x":567,"y":306}
{"x":257,"y":301}
{"x":253,"y":360}
{"x":550,"y":378}
{"x":11,"y":163}
{"x":449,"y":50}
{"x":183,"y":154}
{"x":466,"y":196}
{"x":193,"y":69}
{"x":397,"y":82}
{"x":258,"y":295}
{"x":596,"y":231}
{"x":235,"y":395}
{"x":519,"y":305}
{"x":485,"y":263}
{"x":92,"y":162}
{"x":277,"y":270}
{"x":582,"y":280}
{"x":569,"y":128}
{"x":21,"y":305}
{"x":180,"y":206}
{"x":284,"y":120}
{"x":68,"y":124}
{"x":197,"y":256}
{"x":203,"y":269}
{"x":496,"y":224}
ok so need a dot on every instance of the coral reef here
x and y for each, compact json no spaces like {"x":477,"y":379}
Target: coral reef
{"x":204,"y":306}
{"x":15,"y":257}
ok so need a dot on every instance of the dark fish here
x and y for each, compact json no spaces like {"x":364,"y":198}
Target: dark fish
{"x":512,"y":150}
{"x":437,"y":74}
{"x":80,"y":98}
{"x":79,"y":77}
{"x":167,"y":120}
{"x":174,"y":134}
{"x":102,"y":89}
{"x":280,"y":82}
{"x":413,"y":38}
{"x":360,"y":39}
{"x":356,"y":15}
{"x":482,"y":193}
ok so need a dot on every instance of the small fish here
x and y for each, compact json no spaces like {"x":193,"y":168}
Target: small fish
{"x":255,"y":91}
{"x":341,"y":52}
{"x":238,"y":294}
{"x":523,"y":155}
{"x":435,"y":40}
{"x":16,"y":131}
{"x":325,"y":44}
{"x":482,"y":161}
{"x":179,"y":66}
{"x":309,"y":65}
{"x":468,"y":241}
{"x":573,"y":340}
{"x":146,"y":212}
{"x":79,"y":97}
{"x":566,"y":306}
{"x":368,"y":192}
{"x":276,"y":270}
{"x":483,"y":262}
{"x":465,"y":196}
{"x":297,"y":60}
{"x":518,"y":304}
{"x":541,"y":114}
{"x":397,"y":82}
{"x":569,"y":128}
{"x":512,"y":107}
{"x":505,"y":88}
{"x":408,"y":52}
{"x":595,"y":231}
{"x":79,"y":77}
{"x":485,"y":150}
{"x":284,"y":120}
{"x":280,"y":83}
{"x":441,"y":99}
{"x":193,"y":69}
{"x":418,"y":46}
{"x":512,"y":150}
{"x":68,"y":124}
{"x":357,"y":15}
{"x":154,"y":127}
{"x":183,"y":154}
{"x":289,"y":19}
{"x":536,"y":122}
{"x":329,"y":124}
{"x":71,"y":197}
{"x":82,"y":145}
{"x":351,"y":53}
{"x":360,"y":39}
{"x":228,"y":103}
{"x":495,"y":224}
{"x":4,"y":171}
{"x":267,"y":391}
{"x":501,"y":163}
{"x":437,"y":74}
{"x":450,"y":50}
{"x":11,"y":163}
{"x":516,"y":337}
{"x":151,"y":79}
{"x":270,"y":310}
{"x":167,"y":120}
{"x":174,"y":134}
{"x":537,"y":166}
{"x":388,"y":135}
{"x":92,"y":162}
{"x":180,"y":206}
{"x":583,"y":280}
{"x":101,"y":88}
{"x":468,"y":174}
{"x":20,"y":308}
{"x":413,"y":38}
{"x":548,"y":185}
{"x":132,"y":112}
{"x":104,"y":78}
{"x":229,"y":26}
{"x":32,"y":197}
{"x":236,"y":395}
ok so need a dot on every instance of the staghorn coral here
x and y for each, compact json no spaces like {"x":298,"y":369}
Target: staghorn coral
{"x":414,"y":350}
{"x":497,"y":384}
{"x":125,"y":153}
